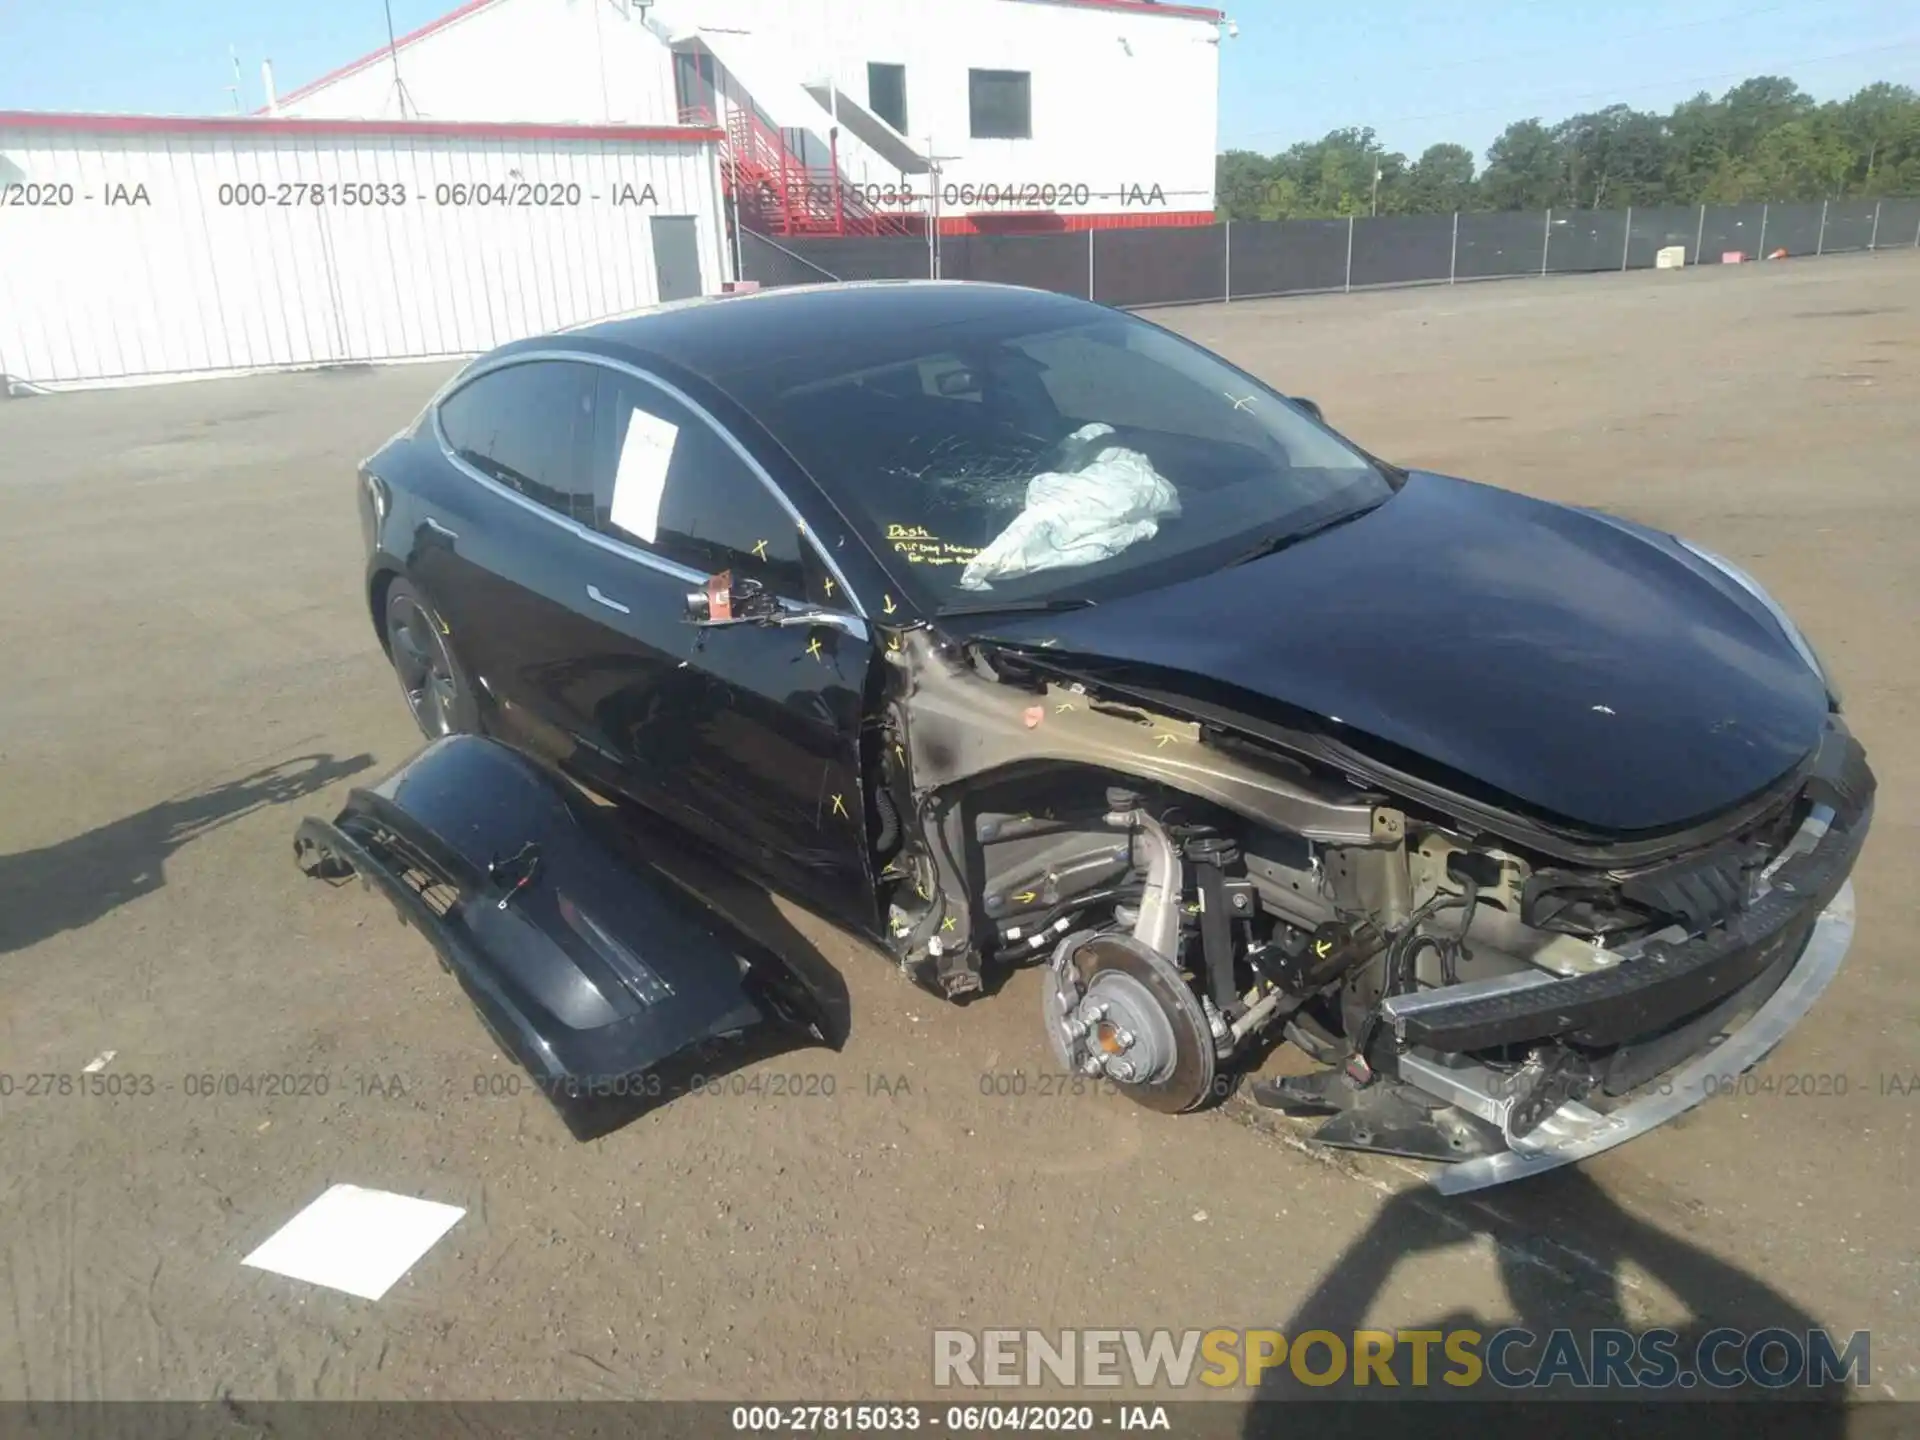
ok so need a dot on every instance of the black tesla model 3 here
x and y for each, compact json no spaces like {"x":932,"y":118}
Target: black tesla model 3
{"x":1010,"y":630}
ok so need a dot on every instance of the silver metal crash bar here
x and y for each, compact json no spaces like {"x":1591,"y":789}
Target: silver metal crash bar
{"x":1576,"y":1132}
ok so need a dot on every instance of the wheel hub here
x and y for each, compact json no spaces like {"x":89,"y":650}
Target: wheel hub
{"x":1116,"y":1010}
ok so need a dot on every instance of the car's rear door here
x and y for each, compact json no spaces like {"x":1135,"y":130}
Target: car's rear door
{"x":500,"y":551}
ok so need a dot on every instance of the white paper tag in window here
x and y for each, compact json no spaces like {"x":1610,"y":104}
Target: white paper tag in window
{"x":641,"y":480}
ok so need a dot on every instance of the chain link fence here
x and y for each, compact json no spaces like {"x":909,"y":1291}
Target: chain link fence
{"x":1250,"y":259}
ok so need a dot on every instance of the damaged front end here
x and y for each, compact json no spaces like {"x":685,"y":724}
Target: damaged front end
{"x":1482,"y":991}
{"x":594,"y":969}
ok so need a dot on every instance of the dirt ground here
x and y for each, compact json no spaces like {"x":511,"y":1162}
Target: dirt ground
{"x":189,"y":668}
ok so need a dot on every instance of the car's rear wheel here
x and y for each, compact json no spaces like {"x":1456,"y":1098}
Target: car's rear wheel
{"x":430,"y":677}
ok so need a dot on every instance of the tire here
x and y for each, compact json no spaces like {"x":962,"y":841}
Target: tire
{"x":432,"y":679}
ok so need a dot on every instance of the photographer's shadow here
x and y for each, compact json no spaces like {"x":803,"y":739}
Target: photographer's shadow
{"x":73,"y":882}
{"x":1580,"y":1286}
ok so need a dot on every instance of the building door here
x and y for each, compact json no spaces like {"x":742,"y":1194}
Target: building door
{"x":676,"y":256}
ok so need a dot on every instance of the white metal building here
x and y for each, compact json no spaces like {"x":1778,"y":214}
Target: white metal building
{"x":138,"y":247}
{"x":1072,"y":113}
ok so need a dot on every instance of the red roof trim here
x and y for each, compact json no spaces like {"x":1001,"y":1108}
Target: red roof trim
{"x":365,"y":60}
{"x":1143,"y":7}
{"x":299,"y":125}
{"x":1133,"y":7}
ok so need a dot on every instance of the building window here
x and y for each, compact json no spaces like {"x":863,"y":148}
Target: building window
{"x":887,"y":94}
{"x":1001,"y":104}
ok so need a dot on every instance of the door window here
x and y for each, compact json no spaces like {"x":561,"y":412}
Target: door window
{"x":667,"y":482}
{"x":528,"y":427}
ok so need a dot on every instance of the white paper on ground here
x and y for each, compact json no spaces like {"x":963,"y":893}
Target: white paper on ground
{"x":642,"y":477}
{"x":359,"y":1241}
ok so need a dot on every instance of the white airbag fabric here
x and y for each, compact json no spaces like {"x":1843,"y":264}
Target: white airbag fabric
{"x":1078,"y":517}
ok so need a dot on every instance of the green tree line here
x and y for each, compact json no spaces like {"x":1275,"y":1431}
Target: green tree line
{"x":1764,"y":139}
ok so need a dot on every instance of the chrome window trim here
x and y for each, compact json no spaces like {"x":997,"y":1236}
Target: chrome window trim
{"x":607,"y":542}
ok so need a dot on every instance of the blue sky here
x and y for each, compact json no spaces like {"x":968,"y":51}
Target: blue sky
{"x":1418,"y":71}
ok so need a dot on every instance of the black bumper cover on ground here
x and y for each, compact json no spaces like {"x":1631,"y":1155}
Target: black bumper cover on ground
{"x":593,"y":969}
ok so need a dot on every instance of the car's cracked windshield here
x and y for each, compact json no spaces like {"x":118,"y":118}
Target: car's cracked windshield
{"x":1009,"y":465}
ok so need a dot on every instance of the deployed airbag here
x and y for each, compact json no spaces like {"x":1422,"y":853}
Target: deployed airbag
{"x":1103,"y":499}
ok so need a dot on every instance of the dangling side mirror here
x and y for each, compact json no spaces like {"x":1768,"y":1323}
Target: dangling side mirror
{"x":727,"y":601}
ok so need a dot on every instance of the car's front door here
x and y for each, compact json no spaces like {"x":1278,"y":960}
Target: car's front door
{"x":748,"y":734}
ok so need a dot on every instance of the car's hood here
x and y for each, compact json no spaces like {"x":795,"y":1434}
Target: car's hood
{"x":1590,"y":669}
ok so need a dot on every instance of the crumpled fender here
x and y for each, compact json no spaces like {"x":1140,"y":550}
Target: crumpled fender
{"x":599,"y":973}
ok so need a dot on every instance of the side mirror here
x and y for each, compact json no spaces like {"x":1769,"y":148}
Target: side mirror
{"x":1309,"y":406}
{"x":727,"y":601}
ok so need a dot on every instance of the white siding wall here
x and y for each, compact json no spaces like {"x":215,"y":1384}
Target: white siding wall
{"x":186,"y":284}
{"x":1101,"y":115}
{"x":1122,"y":102}
{"x":559,"y":61}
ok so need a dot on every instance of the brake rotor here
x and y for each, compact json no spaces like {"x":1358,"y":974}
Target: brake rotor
{"x":1117,"y":1010}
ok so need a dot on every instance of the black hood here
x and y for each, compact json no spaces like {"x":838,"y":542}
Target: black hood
{"x":1592,"y":670}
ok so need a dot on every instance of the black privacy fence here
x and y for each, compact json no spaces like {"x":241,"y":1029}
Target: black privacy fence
{"x":1248,"y":259}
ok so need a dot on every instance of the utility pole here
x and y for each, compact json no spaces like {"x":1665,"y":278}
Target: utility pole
{"x":393,"y":53}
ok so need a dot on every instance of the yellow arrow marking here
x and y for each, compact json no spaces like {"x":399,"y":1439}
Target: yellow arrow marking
{"x":1322,"y":947}
{"x":1164,"y":740}
{"x":887,"y":600}
{"x":760,"y":549}
{"x":900,"y":753}
{"x":1026,"y":897}
{"x":1065,"y":706}
{"x":893,"y":642}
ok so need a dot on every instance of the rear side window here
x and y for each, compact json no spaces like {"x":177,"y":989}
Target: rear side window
{"x":667,"y":482}
{"x":529,"y":427}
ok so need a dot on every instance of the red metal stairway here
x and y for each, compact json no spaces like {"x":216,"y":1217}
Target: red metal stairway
{"x":777,"y":194}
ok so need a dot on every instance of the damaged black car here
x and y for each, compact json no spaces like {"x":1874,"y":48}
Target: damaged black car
{"x":1010,"y":630}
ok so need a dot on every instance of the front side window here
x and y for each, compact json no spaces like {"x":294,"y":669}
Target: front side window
{"x":1003,"y":460}
{"x":665,"y":481}
{"x":527,"y":427}
{"x":1000,"y":103}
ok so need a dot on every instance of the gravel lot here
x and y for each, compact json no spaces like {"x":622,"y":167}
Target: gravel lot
{"x":189,"y":668}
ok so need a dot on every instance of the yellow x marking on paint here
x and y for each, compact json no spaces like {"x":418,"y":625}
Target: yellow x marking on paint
{"x":813,"y":648}
{"x":827,"y":580}
{"x":1064,"y":706}
{"x":839,"y":806}
{"x":760,"y":548}
{"x":947,"y":924}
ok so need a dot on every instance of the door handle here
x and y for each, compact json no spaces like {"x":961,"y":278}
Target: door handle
{"x":593,"y":594}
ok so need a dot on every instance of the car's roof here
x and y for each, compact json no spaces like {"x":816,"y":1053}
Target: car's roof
{"x":717,"y":335}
